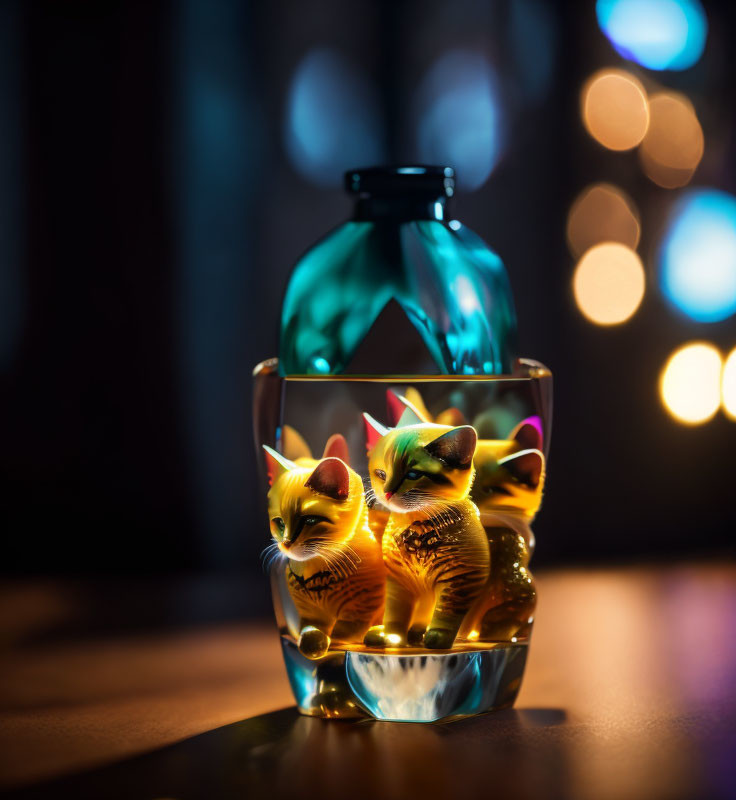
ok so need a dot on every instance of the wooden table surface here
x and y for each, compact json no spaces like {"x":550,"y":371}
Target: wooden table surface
{"x":630,"y":692}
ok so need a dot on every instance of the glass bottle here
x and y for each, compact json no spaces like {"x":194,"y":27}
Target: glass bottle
{"x":399,"y":288}
{"x":404,"y":448}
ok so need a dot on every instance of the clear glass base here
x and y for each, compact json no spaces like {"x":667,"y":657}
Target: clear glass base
{"x":410,"y":685}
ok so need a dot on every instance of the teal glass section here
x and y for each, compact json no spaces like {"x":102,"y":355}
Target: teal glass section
{"x":451,"y":286}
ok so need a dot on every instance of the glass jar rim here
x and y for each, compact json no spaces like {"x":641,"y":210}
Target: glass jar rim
{"x":526,"y":369}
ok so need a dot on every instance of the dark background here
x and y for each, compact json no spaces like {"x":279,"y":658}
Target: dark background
{"x":149,"y":215}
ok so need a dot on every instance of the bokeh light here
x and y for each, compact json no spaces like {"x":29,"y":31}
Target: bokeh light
{"x":690,"y":384}
{"x":602,"y":213}
{"x":673,"y":146}
{"x":658,"y":34}
{"x":333,"y":119}
{"x":728,"y":385}
{"x":459,"y":118}
{"x":614,"y":109}
{"x":697,"y":257}
{"x":609,"y":283}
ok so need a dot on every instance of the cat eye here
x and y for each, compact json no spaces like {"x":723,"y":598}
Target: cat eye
{"x":279,"y":523}
{"x":314,"y":520}
{"x":413,"y":474}
{"x":498,"y":490}
{"x":379,"y":473}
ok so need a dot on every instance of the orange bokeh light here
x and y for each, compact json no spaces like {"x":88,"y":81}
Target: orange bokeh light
{"x":602,"y":213}
{"x":728,"y":385}
{"x":609,"y":283}
{"x":673,"y":146}
{"x":614,"y":109}
{"x":690,"y":383}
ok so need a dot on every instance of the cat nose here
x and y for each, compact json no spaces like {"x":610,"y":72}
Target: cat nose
{"x":389,"y":495}
{"x":286,"y":543}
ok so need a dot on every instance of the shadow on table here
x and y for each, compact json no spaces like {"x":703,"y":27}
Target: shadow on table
{"x":283,"y":754}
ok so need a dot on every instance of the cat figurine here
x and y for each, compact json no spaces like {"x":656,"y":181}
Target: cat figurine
{"x":396,"y":404}
{"x":296,"y":449}
{"x":508,"y":493}
{"x":434,"y":547}
{"x":335,"y":574}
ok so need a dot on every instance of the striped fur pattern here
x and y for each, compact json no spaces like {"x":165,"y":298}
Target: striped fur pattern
{"x":507,"y":490}
{"x":434,"y":546}
{"x":335,"y":573}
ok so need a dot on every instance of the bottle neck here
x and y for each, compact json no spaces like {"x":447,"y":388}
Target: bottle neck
{"x":401,"y":208}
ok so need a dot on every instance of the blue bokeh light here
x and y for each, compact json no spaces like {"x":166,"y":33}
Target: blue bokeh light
{"x":658,"y":34}
{"x":697,"y":257}
{"x":333,"y":118}
{"x":458,"y":120}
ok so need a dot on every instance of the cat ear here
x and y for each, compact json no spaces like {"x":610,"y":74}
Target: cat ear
{"x":456,"y":447}
{"x":409,"y":416}
{"x":330,"y":478}
{"x":526,"y":466}
{"x":373,"y":431}
{"x":276,"y":464}
{"x":528,"y":433}
{"x":451,"y":416}
{"x":417,"y":401}
{"x":337,"y":447}
{"x":402,"y":411}
{"x":293,"y":444}
{"x":394,"y":406}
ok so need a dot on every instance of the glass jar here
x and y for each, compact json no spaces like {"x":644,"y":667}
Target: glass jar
{"x":400,"y":512}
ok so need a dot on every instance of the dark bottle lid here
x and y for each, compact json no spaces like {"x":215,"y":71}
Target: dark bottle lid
{"x":400,"y":180}
{"x":409,"y":192}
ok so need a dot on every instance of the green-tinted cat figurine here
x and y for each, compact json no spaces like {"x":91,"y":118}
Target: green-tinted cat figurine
{"x":434,"y":547}
{"x":507,"y":489}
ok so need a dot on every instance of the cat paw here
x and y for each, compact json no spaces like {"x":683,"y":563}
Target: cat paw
{"x":378,"y":636}
{"x":375,"y":637}
{"x":415,"y":637}
{"x":313,"y":643}
{"x":439,"y":639}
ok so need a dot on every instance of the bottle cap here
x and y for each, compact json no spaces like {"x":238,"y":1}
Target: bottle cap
{"x":383,"y":181}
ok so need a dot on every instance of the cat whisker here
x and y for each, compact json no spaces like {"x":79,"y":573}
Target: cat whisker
{"x":341,"y":558}
{"x":333,"y":563}
{"x":271,"y":556}
{"x":268,"y":550}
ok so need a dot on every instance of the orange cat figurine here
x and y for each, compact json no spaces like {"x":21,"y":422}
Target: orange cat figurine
{"x":335,"y":573}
